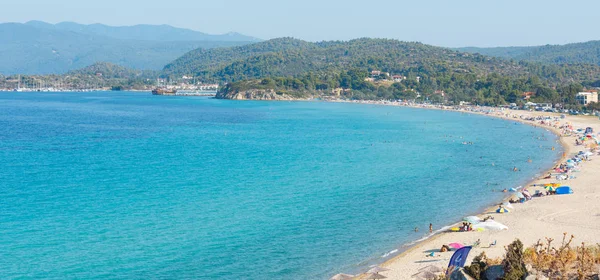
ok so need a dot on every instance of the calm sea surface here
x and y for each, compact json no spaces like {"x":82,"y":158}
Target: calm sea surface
{"x":134,"y":186}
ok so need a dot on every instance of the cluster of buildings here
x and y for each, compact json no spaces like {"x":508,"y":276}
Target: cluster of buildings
{"x":584,"y":98}
{"x":185,"y":84}
{"x":379,"y":75}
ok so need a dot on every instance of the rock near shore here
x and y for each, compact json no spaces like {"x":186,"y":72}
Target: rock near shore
{"x":255,"y":94}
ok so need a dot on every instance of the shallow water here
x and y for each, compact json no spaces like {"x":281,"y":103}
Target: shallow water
{"x":130,"y":185}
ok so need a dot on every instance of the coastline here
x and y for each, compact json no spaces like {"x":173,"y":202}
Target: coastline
{"x":410,"y":260}
{"x":413,"y":258}
{"x":549,"y":216}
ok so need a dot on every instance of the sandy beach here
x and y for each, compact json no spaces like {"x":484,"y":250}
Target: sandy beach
{"x":548,"y":216}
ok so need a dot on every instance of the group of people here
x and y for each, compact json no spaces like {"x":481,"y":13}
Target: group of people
{"x":466,"y":226}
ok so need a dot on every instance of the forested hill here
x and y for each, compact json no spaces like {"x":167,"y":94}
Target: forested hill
{"x":295,"y":68}
{"x":108,"y":70}
{"x":291,"y":57}
{"x":588,"y":52}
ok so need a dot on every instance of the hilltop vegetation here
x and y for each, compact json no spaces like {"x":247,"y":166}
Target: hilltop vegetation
{"x":42,"y":48}
{"x":287,"y":65}
{"x":291,"y":57}
{"x":587,"y":53}
{"x":108,"y":70}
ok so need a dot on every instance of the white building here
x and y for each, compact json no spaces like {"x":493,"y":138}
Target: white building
{"x":585,"y":98}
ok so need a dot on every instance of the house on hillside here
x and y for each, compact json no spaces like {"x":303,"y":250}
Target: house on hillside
{"x":440,"y":92}
{"x":527,"y":95}
{"x":379,"y":75}
{"x":586,"y":97}
{"x":398,"y":78}
{"x":339,"y":91}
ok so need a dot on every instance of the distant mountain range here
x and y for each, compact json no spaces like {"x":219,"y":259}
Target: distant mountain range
{"x":37,"y":47}
{"x":587,"y":52}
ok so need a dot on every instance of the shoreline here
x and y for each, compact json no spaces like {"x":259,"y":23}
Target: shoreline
{"x":486,"y":209}
{"x":407,"y":262}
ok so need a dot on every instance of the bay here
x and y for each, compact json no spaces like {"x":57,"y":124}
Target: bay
{"x":133,"y":186}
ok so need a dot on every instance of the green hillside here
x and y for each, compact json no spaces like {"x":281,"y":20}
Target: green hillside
{"x":290,"y":66}
{"x":588,"y":52}
{"x":291,"y":57}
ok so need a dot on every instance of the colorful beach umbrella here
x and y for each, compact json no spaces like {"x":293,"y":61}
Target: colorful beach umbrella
{"x":502,"y":210}
{"x":456,"y":245}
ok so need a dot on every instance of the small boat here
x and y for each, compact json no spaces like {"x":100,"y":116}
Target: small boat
{"x":163,"y":91}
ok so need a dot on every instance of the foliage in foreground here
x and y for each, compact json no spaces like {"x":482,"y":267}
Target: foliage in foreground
{"x":556,"y":262}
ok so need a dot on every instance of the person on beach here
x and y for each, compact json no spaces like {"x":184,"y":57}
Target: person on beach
{"x":430,"y":228}
{"x":445,"y":248}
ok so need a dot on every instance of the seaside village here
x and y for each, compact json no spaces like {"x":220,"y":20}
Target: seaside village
{"x":482,"y":246}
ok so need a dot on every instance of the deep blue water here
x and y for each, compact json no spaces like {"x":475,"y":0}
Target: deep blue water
{"x":134,"y":186}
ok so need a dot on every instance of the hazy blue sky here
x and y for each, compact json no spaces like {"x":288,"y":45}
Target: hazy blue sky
{"x":440,"y":22}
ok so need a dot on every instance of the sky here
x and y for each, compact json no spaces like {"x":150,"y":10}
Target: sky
{"x":448,"y":23}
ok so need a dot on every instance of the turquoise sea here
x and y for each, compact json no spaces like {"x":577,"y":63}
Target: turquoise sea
{"x":123,"y":185}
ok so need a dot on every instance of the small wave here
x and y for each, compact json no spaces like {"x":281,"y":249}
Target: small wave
{"x":389,"y":253}
{"x":443,"y":229}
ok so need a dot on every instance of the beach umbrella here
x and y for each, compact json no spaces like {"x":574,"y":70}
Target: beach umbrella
{"x":377,"y":269}
{"x":456,"y":245}
{"x":502,"y":210}
{"x":375,"y":276}
{"x":432,"y":269}
{"x":472,"y":219}
{"x":424,"y":275}
{"x":520,"y":195}
{"x":507,"y":204}
{"x":490,"y":225}
{"x":342,"y":276}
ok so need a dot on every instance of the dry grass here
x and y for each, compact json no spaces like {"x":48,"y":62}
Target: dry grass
{"x":564,"y":261}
